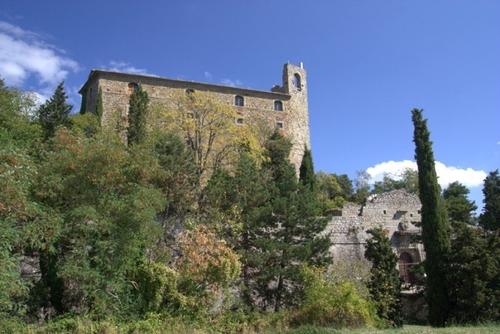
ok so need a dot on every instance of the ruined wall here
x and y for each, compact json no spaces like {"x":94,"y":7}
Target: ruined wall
{"x":397,"y":212}
{"x":294,"y":117}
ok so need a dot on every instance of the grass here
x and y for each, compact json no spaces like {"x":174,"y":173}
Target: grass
{"x":483,"y":329}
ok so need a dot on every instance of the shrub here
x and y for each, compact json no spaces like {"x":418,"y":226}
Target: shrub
{"x":333,"y":304}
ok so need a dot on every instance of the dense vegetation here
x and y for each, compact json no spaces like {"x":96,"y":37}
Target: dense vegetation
{"x":181,"y":219}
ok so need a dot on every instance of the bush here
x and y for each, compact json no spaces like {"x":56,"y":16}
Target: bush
{"x":333,"y":304}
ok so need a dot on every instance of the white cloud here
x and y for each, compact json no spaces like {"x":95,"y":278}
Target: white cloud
{"x":121,"y":66}
{"x":207,"y":75}
{"x":24,"y":54}
{"x":446,"y":174}
{"x":232,"y":83}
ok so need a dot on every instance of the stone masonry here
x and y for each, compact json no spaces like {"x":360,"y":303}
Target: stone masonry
{"x":293,"y":119}
{"x":397,"y":212}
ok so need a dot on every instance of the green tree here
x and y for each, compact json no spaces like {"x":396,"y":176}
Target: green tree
{"x":435,"y":229}
{"x":137,"y":115}
{"x":54,"y":112}
{"x":408,"y":180}
{"x":472,"y":270}
{"x":490,"y":217}
{"x":99,"y":108}
{"x":307,"y":177}
{"x":291,"y":236}
{"x":384,"y":284}
{"x":458,"y":206}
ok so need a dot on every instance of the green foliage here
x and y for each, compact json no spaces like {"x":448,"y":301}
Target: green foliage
{"x":333,"y":304}
{"x":473,"y":271}
{"x":384,"y":284}
{"x":490,"y":218}
{"x":99,"y":108}
{"x":86,"y":124}
{"x":291,"y":236}
{"x":459,"y":208}
{"x":54,"y":113}
{"x":137,"y":115}
{"x":408,"y":180}
{"x":307,"y":177}
{"x":435,"y":227}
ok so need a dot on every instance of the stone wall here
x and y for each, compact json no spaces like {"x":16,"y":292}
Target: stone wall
{"x":294,"y":118}
{"x":397,"y":212}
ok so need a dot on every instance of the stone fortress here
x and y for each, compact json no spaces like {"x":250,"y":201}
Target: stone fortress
{"x":284,"y":107}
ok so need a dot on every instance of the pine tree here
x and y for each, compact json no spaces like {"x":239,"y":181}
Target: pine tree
{"x":137,"y":113}
{"x":291,"y":237}
{"x":99,"y":109}
{"x":490,"y":218}
{"x":307,"y":177}
{"x":384,"y":284}
{"x":458,"y":206}
{"x":434,"y":223}
{"x":54,"y":112}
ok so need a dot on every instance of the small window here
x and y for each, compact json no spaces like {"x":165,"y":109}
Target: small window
{"x":133,"y":87}
{"x":240,"y":121}
{"x":411,"y":214}
{"x":239,"y":101}
{"x":278,"y":105}
{"x":279,"y":125}
{"x":418,"y":211}
{"x":296,"y":81}
{"x":385,"y":212}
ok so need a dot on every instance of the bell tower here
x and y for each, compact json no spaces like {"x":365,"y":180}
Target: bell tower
{"x":295,"y":84}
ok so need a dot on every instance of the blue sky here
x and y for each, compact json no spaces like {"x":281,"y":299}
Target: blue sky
{"x":369,"y":63}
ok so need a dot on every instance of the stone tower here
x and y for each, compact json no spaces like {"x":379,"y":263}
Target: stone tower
{"x":283,"y":107}
{"x":295,"y":85}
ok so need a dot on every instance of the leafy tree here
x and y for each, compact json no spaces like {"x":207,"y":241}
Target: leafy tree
{"x":490,"y":218}
{"x":384,"y":284}
{"x":435,"y":227}
{"x":137,"y":115}
{"x":307,"y":177}
{"x":54,"y":112}
{"x":210,"y":131}
{"x":346,"y":185}
{"x":408,"y":180}
{"x":459,"y":208}
{"x":108,"y":209}
{"x":362,"y":187}
{"x":472,"y":269}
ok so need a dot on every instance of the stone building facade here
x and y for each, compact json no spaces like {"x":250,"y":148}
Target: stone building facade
{"x":283,"y":107}
{"x":397,"y":212}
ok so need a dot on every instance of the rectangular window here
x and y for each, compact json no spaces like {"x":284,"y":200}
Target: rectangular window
{"x":279,"y":125}
{"x":240,"y":121}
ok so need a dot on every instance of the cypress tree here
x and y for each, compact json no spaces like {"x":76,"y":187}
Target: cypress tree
{"x":434,"y":223}
{"x":490,"y":218}
{"x":99,"y":109}
{"x":137,"y":113}
{"x":384,"y":284}
{"x":307,"y":177}
{"x":54,"y":112}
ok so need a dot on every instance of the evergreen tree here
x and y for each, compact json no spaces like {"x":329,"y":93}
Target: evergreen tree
{"x":459,"y":208}
{"x":307,"y":177}
{"x":471,"y":277}
{"x":434,"y":223}
{"x":490,"y":218}
{"x":54,"y":112}
{"x":384,"y":284}
{"x":137,"y":113}
{"x":291,"y":236}
{"x":99,"y":109}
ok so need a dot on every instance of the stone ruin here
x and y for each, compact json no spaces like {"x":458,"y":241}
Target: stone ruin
{"x":397,"y":212}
